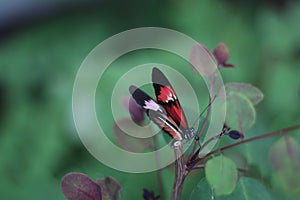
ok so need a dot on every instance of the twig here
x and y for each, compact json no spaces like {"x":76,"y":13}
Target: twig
{"x":211,"y":90}
{"x":210,"y":140}
{"x":180,"y":171}
{"x":159,"y":177}
{"x":280,"y":132}
{"x":202,"y":130}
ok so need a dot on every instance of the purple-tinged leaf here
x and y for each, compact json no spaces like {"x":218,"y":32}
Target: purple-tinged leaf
{"x":124,"y":131}
{"x":135,"y":111}
{"x":202,"y":60}
{"x":221,"y":54}
{"x":248,"y":90}
{"x":285,"y":159}
{"x":78,"y":186}
{"x":110,"y":188}
{"x":240,"y":113}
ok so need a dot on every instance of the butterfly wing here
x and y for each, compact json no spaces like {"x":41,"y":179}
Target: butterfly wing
{"x":166,"y":97}
{"x":156,"y":113}
{"x":144,"y":100}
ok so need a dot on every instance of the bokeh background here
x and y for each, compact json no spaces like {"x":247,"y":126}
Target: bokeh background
{"x":42,"y":44}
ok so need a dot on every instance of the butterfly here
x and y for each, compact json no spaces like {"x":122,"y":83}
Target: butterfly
{"x":165,"y":111}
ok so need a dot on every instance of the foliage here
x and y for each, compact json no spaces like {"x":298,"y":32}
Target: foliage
{"x":40,"y":54}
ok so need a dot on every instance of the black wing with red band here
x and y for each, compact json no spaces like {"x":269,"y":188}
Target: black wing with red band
{"x":156,"y":113}
{"x":166,"y":96}
{"x":166,"y":112}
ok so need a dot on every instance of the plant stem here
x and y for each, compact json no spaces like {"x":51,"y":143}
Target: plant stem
{"x":180,"y":171}
{"x":202,"y":130}
{"x":159,"y":176}
{"x":271,"y":134}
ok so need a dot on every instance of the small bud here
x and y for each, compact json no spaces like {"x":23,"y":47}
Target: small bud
{"x":221,"y":54}
{"x":234,"y":134}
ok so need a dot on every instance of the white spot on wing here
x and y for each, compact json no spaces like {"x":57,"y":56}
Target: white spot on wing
{"x":152,"y":105}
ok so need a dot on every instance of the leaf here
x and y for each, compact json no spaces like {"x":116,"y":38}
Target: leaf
{"x":202,"y":60}
{"x":78,"y":186}
{"x":124,"y":129}
{"x":245,"y":89}
{"x":240,"y":113}
{"x":246,"y":189}
{"x":221,"y":173}
{"x":202,"y":191}
{"x":136,"y":112}
{"x":238,"y":158}
{"x":285,"y":159}
{"x":110,"y":188}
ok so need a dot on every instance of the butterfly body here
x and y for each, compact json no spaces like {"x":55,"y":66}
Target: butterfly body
{"x":166,"y":111}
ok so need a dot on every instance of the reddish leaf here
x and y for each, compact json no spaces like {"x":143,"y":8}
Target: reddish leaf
{"x":240,"y":112}
{"x":123,"y":131}
{"x":245,"y":89}
{"x":285,"y":159}
{"x":202,"y":60}
{"x":110,"y":188}
{"x":78,"y":186}
{"x":135,"y":111}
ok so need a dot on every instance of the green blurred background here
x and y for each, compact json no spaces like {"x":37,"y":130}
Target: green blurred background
{"x":42,"y":44}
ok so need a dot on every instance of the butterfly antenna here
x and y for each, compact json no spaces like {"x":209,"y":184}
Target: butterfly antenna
{"x":199,"y":117}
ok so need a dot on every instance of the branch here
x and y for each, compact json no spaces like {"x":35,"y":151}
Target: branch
{"x":159,"y":171}
{"x":211,"y":99}
{"x":180,"y":171}
{"x":202,"y":130}
{"x":280,"y":132}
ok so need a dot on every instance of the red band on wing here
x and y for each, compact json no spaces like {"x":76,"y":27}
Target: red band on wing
{"x":175,"y":111}
{"x":166,"y":94}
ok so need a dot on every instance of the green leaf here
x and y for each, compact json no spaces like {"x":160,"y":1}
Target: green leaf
{"x":246,"y":189}
{"x":285,"y":159}
{"x":240,"y":113}
{"x":202,"y":191}
{"x":245,"y":89}
{"x":221,"y":173}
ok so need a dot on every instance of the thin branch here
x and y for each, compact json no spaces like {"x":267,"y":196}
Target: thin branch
{"x":202,"y":130}
{"x":180,"y":171}
{"x":211,"y":90}
{"x":210,"y":140}
{"x":159,"y":176}
{"x":200,"y":166}
{"x":271,"y":134}
{"x":205,"y":120}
